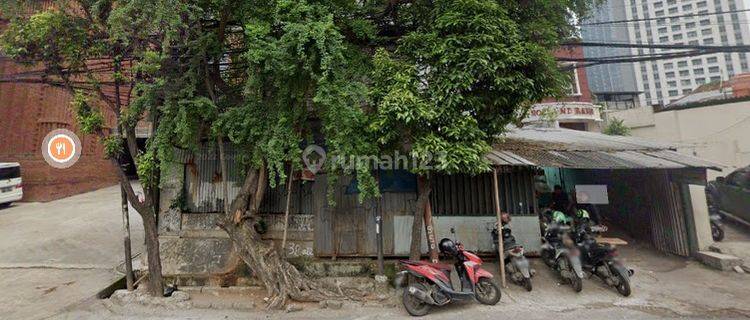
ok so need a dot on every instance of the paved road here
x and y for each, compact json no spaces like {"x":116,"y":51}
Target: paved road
{"x":55,"y":254}
{"x":664,"y":287}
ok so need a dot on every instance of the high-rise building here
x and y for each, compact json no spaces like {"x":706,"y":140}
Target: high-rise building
{"x":670,"y":22}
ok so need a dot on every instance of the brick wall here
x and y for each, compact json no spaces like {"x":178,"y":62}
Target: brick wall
{"x":27,"y":113}
{"x":583,"y":82}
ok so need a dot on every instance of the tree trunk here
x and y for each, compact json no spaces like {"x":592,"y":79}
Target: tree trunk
{"x":155,"y":279}
{"x":281,"y":279}
{"x":424,"y":187}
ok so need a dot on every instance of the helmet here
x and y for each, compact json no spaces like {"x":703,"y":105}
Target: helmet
{"x":448,"y":247}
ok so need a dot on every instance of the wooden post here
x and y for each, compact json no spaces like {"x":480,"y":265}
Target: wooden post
{"x":286,"y":211}
{"x":126,"y":241}
{"x":429,"y":227}
{"x":500,"y":248}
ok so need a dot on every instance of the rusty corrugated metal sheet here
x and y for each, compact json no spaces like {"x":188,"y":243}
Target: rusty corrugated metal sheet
{"x":204,"y":191}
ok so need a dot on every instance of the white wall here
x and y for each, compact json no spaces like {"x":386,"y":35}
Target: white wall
{"x":719,"y":133}
{"x":473,"y":232}
{"x":700,"y":215}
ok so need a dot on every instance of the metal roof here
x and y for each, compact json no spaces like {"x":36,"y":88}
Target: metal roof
{"x":564,"y":148}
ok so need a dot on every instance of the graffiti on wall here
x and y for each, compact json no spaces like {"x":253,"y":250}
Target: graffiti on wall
{"x":297,"y":222}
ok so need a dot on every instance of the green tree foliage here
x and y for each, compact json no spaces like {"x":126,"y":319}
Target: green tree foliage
{"x":616,"y":127}
{"x":436,"y":79}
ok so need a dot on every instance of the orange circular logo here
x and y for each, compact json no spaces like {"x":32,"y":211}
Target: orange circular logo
{"x":61,"y":148}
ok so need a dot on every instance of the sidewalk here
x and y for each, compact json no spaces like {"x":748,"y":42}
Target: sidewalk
{"x":59,"y":253}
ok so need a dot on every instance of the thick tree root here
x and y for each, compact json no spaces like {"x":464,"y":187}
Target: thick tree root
{"x":282,"y":279}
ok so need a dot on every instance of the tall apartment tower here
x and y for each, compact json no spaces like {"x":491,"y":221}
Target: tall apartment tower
{"x":680,"y":22}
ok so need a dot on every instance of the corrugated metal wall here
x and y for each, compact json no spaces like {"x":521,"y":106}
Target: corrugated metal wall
{"x":463,"y":195}
{"x":204,"y":192}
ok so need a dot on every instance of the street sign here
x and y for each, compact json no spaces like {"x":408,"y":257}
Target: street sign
{"x":61,"y":148}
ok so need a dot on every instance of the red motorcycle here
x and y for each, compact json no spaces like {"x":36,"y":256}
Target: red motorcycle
{"x":429,"y":284}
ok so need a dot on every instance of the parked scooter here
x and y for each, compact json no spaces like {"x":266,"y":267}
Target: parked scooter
{"x":601,"y":259}
{"x":516,"y":264}
{"x":429,"y":284}
{"x":717,"y":229}
{"x":559,"y":251}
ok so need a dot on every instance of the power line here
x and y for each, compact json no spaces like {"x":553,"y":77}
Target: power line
{"x":664,"y":17}
{"x":653,"y":46}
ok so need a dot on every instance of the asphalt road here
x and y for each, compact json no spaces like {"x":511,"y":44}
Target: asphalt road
{"x":59,"y":253}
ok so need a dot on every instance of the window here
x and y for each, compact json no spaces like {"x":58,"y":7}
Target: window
{"x":700,"y":81}
{"x":575,"y":86}
{"x":673,"y":93}
{"x":692,"y":34}
{"x":715,"y":79}
{"x":685,"y":82}
{"x":706,"y":32}
{"x":696,"y":62}
{"x":684,"y":73}
{"x":687,"y":91}
{"x":698,"y":71}
{"x":705,"y":22}
{"x":671,"y":83}
{"x":677,"y":36}
{"x":676,"y":27}
{"x":690,"y":25}
{"x":712,"y":60}
{"x":664,"y":39}
{"x":682,"y":64}
{"x":668,"y":66}
{"x":708,"y":41}
{"x":669,"y":74}
{"x":713,"y":69}
{"x":10,"y":173}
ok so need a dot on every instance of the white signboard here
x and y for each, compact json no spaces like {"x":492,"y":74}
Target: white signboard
{"x":592,"y":193}
{"x":564,"y":111}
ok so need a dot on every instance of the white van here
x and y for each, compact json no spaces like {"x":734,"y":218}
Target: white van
{"x":11,"y":188}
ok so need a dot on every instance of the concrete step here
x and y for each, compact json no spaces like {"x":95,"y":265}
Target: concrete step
{"x":718,"y":261}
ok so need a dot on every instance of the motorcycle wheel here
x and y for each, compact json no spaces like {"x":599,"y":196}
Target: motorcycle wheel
{"x":624,"y":282}
{"x":547,"y":258}
{"x":575,"y":281}
{"x":487,"y":292}
{"x":412,"y":304}
{"x":527,"y":284}
{"x":717,"y":232}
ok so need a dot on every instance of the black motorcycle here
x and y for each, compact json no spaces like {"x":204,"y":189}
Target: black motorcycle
{"x":560,"y":253}
{"x":516,"y":264}
{"x":601,"y":259}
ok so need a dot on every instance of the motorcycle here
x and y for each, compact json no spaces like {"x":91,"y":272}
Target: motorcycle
{"x":429,"y":284}
{"x":717,"y":230}
{"x":560,"y":253}
{"x":516,"y":264}
{"x":601,"y":259}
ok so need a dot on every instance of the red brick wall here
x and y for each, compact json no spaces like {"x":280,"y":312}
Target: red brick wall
{"x":27,"y":113}
{"x":585,"y":96}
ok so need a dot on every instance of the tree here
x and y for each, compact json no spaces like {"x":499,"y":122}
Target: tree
{"x":616,"y":127}
{"x":428,"y":77}
{"x":99,"y":54}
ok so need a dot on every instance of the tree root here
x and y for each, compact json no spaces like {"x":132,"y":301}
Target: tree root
{"x":281,"y":279}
